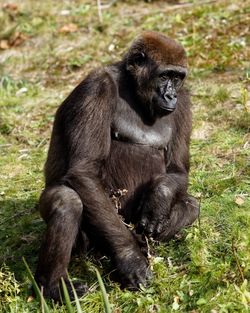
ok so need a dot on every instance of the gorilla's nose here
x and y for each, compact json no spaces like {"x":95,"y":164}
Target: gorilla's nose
{"x":171,"y":100}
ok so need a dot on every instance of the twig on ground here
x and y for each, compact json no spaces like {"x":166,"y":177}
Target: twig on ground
{"x":189,"y":4}
{"x":99,"y":7}
{"x":149,"y":255}
{"x":107,"y":6}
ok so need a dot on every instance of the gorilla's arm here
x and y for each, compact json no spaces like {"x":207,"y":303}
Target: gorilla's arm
{"x":166,"y":191}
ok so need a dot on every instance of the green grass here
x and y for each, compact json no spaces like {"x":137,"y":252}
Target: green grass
{"x":208,"y":269}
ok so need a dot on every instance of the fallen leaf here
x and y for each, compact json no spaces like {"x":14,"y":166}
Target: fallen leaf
{"x":65,"y":12}
{"x":69,"y":28}
{"x":4,"y":44}
{"x":10,"y":6}
{"x":111,"y":47}
{"x":239,"y":200}
{"x":17,"y":39}
{"x":21,"y":91}
{"x":30,"y":299}
{"x":175,"y":305}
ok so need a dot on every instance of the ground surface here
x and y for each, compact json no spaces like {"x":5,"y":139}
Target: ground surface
{"x":47,"y":47}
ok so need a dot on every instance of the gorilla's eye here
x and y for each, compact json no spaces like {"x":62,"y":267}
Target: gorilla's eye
{"x":177,"y":81}
{"x":139,"y":58}
{"x":163,"y":76}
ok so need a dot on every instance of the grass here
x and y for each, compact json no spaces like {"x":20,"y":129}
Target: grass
{"x":208,"y":269}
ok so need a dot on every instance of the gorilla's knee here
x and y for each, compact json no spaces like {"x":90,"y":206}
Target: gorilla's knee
{"x":60,"y":200}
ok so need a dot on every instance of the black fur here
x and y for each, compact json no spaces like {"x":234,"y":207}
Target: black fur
{"x":112,"y":133}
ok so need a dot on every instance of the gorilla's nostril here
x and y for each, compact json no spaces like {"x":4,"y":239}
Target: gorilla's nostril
{"x":168,"y":96}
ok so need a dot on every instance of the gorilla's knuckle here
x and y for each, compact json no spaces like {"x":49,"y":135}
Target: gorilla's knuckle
{"x":164,"y":190}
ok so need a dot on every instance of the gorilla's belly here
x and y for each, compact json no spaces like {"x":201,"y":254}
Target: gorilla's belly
{"x":131,"y":167}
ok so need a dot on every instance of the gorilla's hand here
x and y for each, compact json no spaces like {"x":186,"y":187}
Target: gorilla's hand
{"x":133,"y":269}
{"x":155,"y":211}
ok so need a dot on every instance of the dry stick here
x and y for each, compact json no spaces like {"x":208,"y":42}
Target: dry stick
{"x":189,"y":4}
{"x":234,"y":249}
{"x":186,"y":5}
{"x":6,"y":145}
{"x":149,"y":256}
{"x":99,"y":6}
{"x":107,"y":6}
{"x":175,"y":7}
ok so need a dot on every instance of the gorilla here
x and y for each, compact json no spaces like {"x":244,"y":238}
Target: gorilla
{"x":125,"y":126}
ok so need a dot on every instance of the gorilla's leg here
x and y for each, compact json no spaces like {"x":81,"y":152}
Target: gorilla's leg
{"x":182,"y":214}
{"x":61,"y":208}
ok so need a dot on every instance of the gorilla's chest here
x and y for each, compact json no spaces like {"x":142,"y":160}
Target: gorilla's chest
{"x":128,"y":126}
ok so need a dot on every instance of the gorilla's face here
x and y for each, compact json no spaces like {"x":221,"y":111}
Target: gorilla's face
{"x":156,"y":85}
{"x":168,"y":81}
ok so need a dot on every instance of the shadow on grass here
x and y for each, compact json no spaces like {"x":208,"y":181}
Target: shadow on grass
{"x":21,"y":230}
{"x":21,"y":234}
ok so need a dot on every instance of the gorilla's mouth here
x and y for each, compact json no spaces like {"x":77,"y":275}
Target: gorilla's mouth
{"x":168,"y":108}
{"x":165,"y":103}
